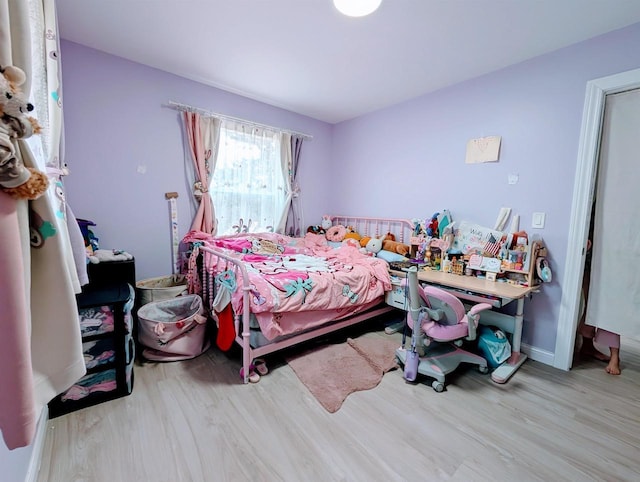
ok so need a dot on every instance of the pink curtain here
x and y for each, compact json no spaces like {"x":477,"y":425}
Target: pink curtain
{"x":201,"y":156}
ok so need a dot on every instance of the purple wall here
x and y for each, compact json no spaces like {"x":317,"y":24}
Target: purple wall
{"x":115,"y":122}
{"x":410,"y":156}
{"x":415,"y":151}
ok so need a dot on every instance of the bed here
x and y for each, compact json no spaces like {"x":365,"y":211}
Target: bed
{"x":282,"y":291}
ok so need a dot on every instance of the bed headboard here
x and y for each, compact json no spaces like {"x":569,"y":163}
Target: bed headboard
{"x":401,"y":228}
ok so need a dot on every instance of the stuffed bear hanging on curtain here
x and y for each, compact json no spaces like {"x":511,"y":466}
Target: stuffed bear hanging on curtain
{"x":16,"y":179}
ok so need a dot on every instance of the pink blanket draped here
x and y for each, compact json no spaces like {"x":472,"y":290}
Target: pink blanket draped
{"x":297,"y":281}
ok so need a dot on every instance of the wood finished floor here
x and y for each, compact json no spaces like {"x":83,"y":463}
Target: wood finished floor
{"x":193,"y":421}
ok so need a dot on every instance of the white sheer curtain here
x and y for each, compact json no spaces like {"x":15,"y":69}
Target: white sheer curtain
{"x":247,"y":187}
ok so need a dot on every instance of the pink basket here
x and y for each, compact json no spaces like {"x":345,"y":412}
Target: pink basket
{"x":173,"y":329}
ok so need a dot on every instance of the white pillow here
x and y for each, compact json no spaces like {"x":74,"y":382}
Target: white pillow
{"x":390,"y":256}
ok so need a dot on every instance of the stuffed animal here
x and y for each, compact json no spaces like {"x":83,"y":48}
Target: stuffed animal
{"x":326,"y":222}
{"x":16,"y":179}
{"x":102,"y":255}
{"x":336,"y":233}
{"x":389,"y":243}
{"x":432,"y":227}
{"x":315,"y":229}
{"x":352,"y":234}
{"x":364,"y":240}
{"x":322,"y":227}
{"x":418,"y":227}
{"x":374,"y":245}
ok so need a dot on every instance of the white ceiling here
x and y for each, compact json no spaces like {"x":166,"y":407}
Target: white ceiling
{"x":303,"y":56}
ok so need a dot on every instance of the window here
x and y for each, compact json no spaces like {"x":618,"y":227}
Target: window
{"x":247,"y":187}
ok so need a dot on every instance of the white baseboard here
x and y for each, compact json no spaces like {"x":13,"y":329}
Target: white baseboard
{"x":38,"y":446}
{"x":538,"y":355}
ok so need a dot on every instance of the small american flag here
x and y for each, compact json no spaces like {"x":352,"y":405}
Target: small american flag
{"x":492,"y":247}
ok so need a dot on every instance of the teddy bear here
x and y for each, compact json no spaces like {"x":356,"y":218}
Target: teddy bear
{"x":389,"y":243}
{"x":16,"y":179}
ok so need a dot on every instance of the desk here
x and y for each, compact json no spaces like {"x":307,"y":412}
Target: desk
{"x":497,"y":294}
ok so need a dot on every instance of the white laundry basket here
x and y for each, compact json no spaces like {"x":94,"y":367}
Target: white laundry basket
{"x":173,"y":329}
{"x":161,"y":288}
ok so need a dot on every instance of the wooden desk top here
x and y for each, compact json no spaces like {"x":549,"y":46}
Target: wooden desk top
{"x":471,"y":283}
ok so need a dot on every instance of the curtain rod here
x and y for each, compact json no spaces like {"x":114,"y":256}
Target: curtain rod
{"x":190,"y":108}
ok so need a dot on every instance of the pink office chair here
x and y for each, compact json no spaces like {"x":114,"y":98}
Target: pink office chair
{"x":440,"y":317}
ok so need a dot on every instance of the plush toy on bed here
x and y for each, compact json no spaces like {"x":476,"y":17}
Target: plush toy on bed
{"x":336,"y":233}
{"x":315,"y":229}
{"x":373,"y":246}
{"x":389,"y":243}
{"x":322,"y":227}
{"x":17,"y":180}
{"x":353,"y":234}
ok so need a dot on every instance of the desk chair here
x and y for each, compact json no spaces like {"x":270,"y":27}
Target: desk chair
{"x":439,"y":325}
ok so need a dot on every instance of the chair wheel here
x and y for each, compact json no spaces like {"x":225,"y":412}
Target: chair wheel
{"x":483,"y":369}
{"x":438,"y":386}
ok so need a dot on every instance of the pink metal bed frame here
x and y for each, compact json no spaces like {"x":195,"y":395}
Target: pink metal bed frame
{"x":401,"y":228}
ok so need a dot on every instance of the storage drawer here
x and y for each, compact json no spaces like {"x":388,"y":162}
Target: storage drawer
{"x":93,"y":383}
{"x":108,"y":346}
{"x":397,"y":296}
{"x":98,"y":352}
{"x":96,"y":310}
{"x":96,"y":320}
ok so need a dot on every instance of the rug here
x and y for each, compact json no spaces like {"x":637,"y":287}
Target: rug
{"x":333,"y":372}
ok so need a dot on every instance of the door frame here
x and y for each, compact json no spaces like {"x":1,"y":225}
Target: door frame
{"x":583,"y":192}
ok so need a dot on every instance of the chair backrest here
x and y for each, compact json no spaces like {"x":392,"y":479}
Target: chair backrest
{"x":441,"y":300}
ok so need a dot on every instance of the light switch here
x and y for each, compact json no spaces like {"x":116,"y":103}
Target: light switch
{"x":538,"y":220}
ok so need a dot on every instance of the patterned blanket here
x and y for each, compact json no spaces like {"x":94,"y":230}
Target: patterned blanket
{"x":303,"y":276}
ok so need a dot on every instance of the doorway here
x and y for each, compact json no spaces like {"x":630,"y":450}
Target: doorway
{"x":583,"y":194}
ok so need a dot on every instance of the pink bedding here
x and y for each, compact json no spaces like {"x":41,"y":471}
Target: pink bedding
{"x":299,"y":283}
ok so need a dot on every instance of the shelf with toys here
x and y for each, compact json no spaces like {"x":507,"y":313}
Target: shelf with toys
{"x":528,"y":275}
{"x":471,"y":250}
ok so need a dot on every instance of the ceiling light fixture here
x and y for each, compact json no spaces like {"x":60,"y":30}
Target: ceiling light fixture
{"x":357,"y":8}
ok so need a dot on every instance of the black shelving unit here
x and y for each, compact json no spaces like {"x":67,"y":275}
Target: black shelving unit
{"x":106,"y":314}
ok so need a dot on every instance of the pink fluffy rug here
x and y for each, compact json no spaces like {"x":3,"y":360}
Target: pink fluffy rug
{"x":332,"y":372}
